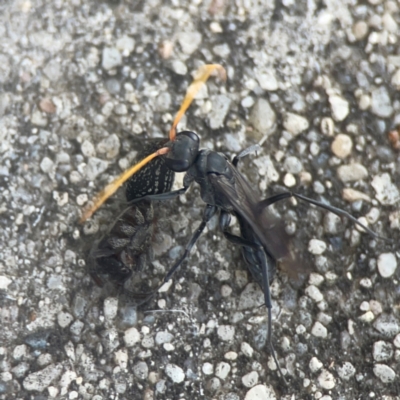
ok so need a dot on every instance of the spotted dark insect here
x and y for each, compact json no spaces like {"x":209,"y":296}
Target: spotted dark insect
{"x":225,"y":190}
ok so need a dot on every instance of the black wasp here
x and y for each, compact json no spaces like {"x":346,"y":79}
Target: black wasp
{"x":224,"y":189}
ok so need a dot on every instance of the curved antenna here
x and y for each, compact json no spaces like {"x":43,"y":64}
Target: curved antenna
{"x":200,"y":78}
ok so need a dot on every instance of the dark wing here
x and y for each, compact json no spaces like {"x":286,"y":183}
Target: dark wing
{"x":239,"y":194}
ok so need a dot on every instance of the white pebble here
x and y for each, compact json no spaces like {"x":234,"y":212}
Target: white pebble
{"x":110,"y":308}
{"x":261,"y":392}
{"x":386,"y":192}
{"x":111,"y":58}
{"x":382,"y":351}
{"x":207,"y":368}
{"x":250,"y":379}
{"x":222,"y":370}
{"x":352,"y":195}
{"x":346,"y":371}
{"x":289,"y":180}
{"x":387,"y":325}
{"x":318,"y":330}
{"x":315,"y":364}
{"x":352,"y":172}
{"x":326,"y":380}
{"x":40,"y":380}
{"x":387,"y":264}
{"x":384,"y":373}
{"x":164,"y":337}
{"x":339,"y":107}
{"x":226,"y":332}
{"x":175,"y":373}
{"x":342,"y":145}
{"x":380,"y":102}
{"x":367,"y":317}
{"x":295,"y":124}
{"x":64,"y":319}
{"x":316,"y":246}
{"x":314,"y":293}
{"x":131,"y":337}
{"x":246,"y":349}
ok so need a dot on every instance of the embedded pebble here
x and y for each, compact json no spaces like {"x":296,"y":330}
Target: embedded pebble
{"x":387,"y":325}
{"x":380,"y":102}
{"x":346,"y":371}
{"x":352,"y":172}
{"x":316,"y":246}
{"x":189,"y":41}
{"x":318,"y":330}
{"x":64,"y":319}
{"x":367,"y":317}
{"x":326,"y":380}
{"x":95,"y":167}
{"x":207,"y":368}
{"x":314,"y":293}
{"x":327,"y":126}
{"x":261,"y":392}
{"x":121,"y":358}
{"x":109,"y":147}
{"x":342,"y":145}
{"x":175,"y":373}
{"x":332,"y":223}
{"x":222,"y":370}
{"x":339,"y":107}
{"x":360,"y":30}
{"x":384,"y":373}
{"x":4,"y":282}
{"x":125,"y":45}
{"x":315,"y":279}
{"x":251,"y":297}
{"x":111,"y":58}
{"x":289,"y":180}
{"x":110,"y":308}
{"x":246,"y":349}
{"x":250,"y":379}
{"x":47,"y":166}
{"x":141,"y":370}
{"x":88,"y":149}
{"x":179,"y":67}
{"x":164,"y":337}
{"x":396,"y":341}
{"x":262,"y":117}
{"x":226,"y":332}
{"x":386,"y":192}
{"x":395,"y":81}
{"x":352,"y":195}
{"x":387,"y":264}
{"x":292,"y":165}
{"x":220,"y":108}
{"x":40,"y":380}
{"x":382,"y":351}
{"x":315,"y":364}
{"x":294,"y":123}
{"x":267,"y":80}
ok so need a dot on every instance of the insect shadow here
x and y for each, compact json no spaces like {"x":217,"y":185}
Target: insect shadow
{"x":225,"y":190}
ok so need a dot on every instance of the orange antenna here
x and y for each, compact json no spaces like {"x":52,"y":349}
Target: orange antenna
{"x":201,"y":76}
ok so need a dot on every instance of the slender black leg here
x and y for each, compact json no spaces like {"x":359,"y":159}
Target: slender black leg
{"x":338,"y":211}
{"x":245,"y":152}
{"x":255,"y":256}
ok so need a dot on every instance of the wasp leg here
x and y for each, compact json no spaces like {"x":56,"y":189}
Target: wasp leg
{"x":338,"y":211}
{"x":255,"y":256}
{"x":245,"y":152}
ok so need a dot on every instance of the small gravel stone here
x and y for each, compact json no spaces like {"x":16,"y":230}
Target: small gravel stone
{"x":250,"y":379}
{"x":342,"y":145}
{"x":47,"y":166}
{"x":189,"y":41}
{"x":64,"y":319}
{"x":207,"y":368}
{"x":261,"y":392}
{"x":88,"y":149}
{"x":382,"y":351}
{"x":95,"y":167}
{"x":251,"y":297}
{"x":111,"y":58}
{"x":267,"y":80}
{"x":141,"y":370}
{"x":246,"y":349}
{"x":387,"y":325}
{"x":352,"y":172}
{"x":121,"y":358}
{"x":109,"y":147}
{"x":222,"y":370}
{"x":384,"y":373}
{"x":125,"y":45}
{"x":367,"y":317}
{"x":4,"y":282}
{"x":387,"y":264}
{"x":40,"y":380}
{"x":220,"y":108}
{"x":289,"y":180}
{"x":360,"y":30}
{"x":386,"y":192}
{"x":179,"y":67}
{"x":315,"y":279}
{"x":315,"y":364}
{"x":314,"y":293}
{"x":346,"y":371}
{"x":318,"y":330}
{"x":326,"y":380}
{"x":292,"y":165}
{"x":380,"y":102}
{"x":164,"y":337}
{"x":396,"y":341}
{"x":352,"y":195}
{"x":294,"y":123}
{"x":226,"y":332}
{"x":110,"y":308}
{"x":316,"y":246}
{"x":175,"y":373}
{"x":262,"y":118}
{"x":339,"y":107}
